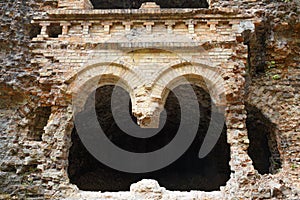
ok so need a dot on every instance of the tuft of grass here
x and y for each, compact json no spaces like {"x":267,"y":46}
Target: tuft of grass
{"x":271,"y":64}
{"x":276,"y":77}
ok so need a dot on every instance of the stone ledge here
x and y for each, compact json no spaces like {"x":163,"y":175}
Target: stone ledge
{"x":145,"y":13}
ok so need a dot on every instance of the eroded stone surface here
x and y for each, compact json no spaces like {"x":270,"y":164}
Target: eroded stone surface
{"x":253,"y":45}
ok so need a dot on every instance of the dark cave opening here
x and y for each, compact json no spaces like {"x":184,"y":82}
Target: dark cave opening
{"x":135,"y":4}
{"x":263,"y":148}
{"x":185,"y":174}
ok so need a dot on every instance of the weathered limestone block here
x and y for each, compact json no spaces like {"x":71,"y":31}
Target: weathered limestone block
{"x":147,"y":189}
{"x":75,"y":4}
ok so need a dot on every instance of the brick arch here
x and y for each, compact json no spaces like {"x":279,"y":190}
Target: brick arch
{"x":181,"y":80}
{"x":204,"y":76}
{"x":181,"y":62}
{"x":97,"y":75}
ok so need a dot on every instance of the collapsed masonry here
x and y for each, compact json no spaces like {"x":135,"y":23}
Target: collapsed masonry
{"x":237,"y":56}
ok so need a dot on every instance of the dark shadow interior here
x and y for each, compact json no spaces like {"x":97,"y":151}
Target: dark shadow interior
{"x":34,"y":30}
{"x":54,"y":30}
{"x":187,"y":173}
{"x":135,"y":4}
{"x":41,"y":117}
{"x":263,"y":148}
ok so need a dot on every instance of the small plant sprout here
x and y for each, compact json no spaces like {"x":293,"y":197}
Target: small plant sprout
{"x":276,"y":77}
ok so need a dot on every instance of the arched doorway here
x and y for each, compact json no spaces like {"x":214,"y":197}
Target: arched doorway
{"x":187,"y":173}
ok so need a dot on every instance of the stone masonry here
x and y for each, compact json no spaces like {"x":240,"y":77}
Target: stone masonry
{"x":241,"y":52}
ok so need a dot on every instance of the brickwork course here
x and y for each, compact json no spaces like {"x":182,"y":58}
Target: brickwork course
{"x":248,"y":51}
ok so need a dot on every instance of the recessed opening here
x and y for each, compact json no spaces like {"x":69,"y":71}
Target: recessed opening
{"x":54,"y":30}
{"x":187,"y":173}
{"x":34,"y":31}
{"x":263,"y":148}
{"x":41,"y":118}
{"x":135,"y":4}
{"x":256,"y":43}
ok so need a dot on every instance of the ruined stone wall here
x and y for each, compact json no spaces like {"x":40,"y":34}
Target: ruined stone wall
{"x":273,"y":74}
{"x":18,"y":83}
{"x":15,"y":57}
{"x":274,"y":88}
{"x":272,"y":85}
